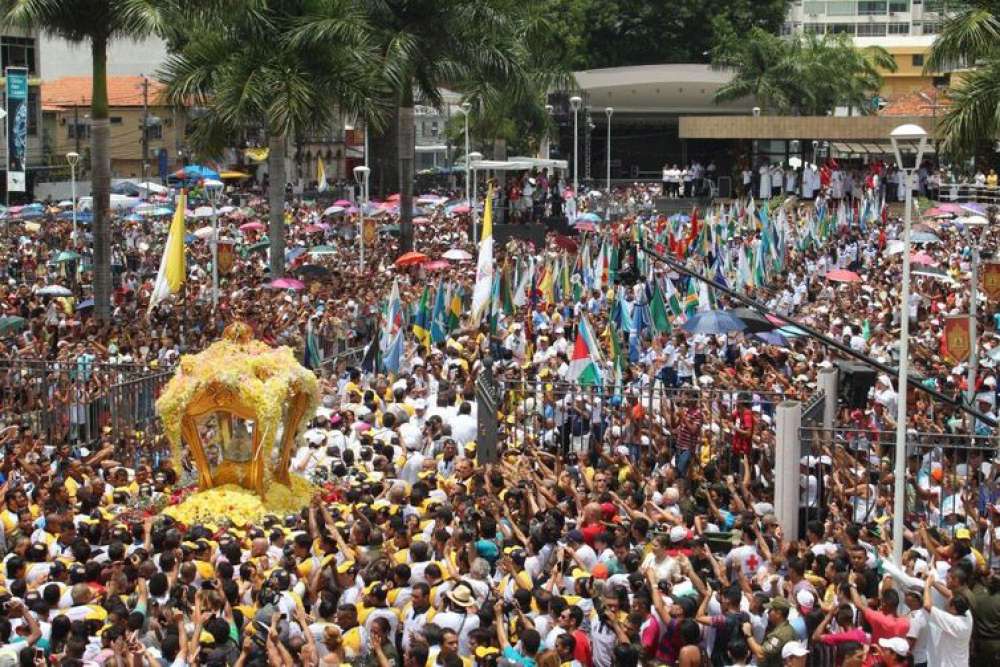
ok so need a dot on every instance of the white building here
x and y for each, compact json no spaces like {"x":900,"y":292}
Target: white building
{"x":870,"y":18}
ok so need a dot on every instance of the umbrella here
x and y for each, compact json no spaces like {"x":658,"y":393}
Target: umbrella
{"x":233,"y":175}
{"x":11,"y":324}
{"x":922,"y":258}
{"x":924,"y":237}
{"x":225,"y":210}
{"x":895,"y":247}
{"x":974,"y":208}
{"x":457,"y":255}
{"x":585,"y":227}
{"x":342,"y":202}
{"x":393,"y":197}
{"x":588,"y":217}
{"x":312,"y":271}
{"x":204,"y":232}
{"x":294,"y":253}
{"x":410,"y":259}
{"x":754,"y":321}
{"x":920,"y":269}
{"x":938,"y":212}
{"x":323,"y":250}
{"x":66,"y":256}
{"x":196,"y":171}
{"x":212,"y":183}
{"x":772,"y":338}
{"x":843,"y":276}
{"x":713,"y":322}
{"x":55,"y":290}
{"x":421,"y":221}
{"x":461,"y":209}
{"x":254,"y":226}
{"x":333,"y":210}
{"x":287,"y":283}
{"x":312,"y":229}
{"x":202,"y":212}
{"x":565,"y":242}
{"x":792,"y":332}
{"x":83,"y":305}
{"x":974,"y":220}
{"x":437,"y":264}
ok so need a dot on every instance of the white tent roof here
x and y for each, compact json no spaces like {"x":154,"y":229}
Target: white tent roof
{"x":541,"y":163}
{"x":498,"y":165}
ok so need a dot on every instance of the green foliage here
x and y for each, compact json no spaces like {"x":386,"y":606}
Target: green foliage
{"x":970,"y":39}
{"x":805,"y":74}
{"x":616,"y":33}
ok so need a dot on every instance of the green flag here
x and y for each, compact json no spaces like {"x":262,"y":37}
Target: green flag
{"x":658,"y":312}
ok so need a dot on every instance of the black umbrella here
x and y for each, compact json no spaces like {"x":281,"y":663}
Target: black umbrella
{"x":312,"y":271}
{"x":756,"y":323}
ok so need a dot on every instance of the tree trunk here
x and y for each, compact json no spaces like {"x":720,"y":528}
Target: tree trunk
{"x":100,"y":165}
{"x":383,"y":157}
{"x":405,"y":132}
{"x":276,"y":202}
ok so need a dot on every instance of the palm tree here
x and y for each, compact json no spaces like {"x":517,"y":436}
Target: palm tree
{"x":970,"y":39}
{"x":252,"y":75}
{"x":764,"y":67}
{"x":424,"y":45}
{"x":97,"y":23}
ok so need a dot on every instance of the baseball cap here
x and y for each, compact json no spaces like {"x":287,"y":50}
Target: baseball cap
{"x":793,"y":650}
{"x":780,"y":604}
{"x":897,"y":645}
{"x":963,"y":534}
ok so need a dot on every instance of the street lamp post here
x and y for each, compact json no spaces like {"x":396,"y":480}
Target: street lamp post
{"x":472,"y":159}
{"x":575,"y":102}
{"x":609,"y":111}
{"x":465,"y":107}
{"x":913,"y":138}
{"x":73,"y":159}
{"x":361,"y":176}
{"x":548,"y":131}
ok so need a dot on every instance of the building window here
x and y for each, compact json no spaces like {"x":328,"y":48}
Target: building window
{"x":899,"y":28}
{"x":115,"y":120}
{"x":814,"y":28}
{"x":786,"y":29}
{"x":899,"y":5}
{"x":871,"y":30}
{"x":155,"y":131}
{"x":79,"y":130}
{"x":932,"y":28}
{"x":841,"y":8}
{"x":813,"y":8}
{"x":838,"y":28}
{"x":918,"y":60}
{"x":18,"y":52}
{"x":871,"y":7}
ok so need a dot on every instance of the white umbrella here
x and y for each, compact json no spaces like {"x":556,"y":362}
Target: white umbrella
{"x":54,"y":290}
{"x":457,"y":255}
{"x":66,"y":203}
{"x":202,"y":212}
{"x":974,"y":220}
{"x":333,"y":210}
{"x":149,"y":186}
{"x":226,"y":209}
{"x":895,"y":248}
{"x":203,"y":232}
{"x":212,"y":183}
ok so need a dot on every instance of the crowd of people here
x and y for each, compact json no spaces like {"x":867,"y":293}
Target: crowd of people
{"x":629,"y":523}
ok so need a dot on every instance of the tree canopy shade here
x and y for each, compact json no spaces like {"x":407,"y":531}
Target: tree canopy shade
{"x":804,"y":75}
{"x":95,"y":23}
{"x":970,"y":39}
{"x":256,"y":72}
{"x":617,"y":33}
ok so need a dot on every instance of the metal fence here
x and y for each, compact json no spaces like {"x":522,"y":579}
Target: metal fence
{"x":812,"y":410}
{"x":968,"y":192}
{"x":75,"y":401}
{"x":340,"y":360}
{"x":570,"y":417}
{"x":950,"y":479}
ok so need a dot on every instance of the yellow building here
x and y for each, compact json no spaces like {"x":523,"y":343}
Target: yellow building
{"x":132,"y":100}
{"x":910,"y":53}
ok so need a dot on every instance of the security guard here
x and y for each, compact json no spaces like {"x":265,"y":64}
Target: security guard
{"x":768,"y":653}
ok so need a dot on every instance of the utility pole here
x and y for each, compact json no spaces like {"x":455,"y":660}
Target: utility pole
{"x":76,"y":126}
{"x":145,"y":128}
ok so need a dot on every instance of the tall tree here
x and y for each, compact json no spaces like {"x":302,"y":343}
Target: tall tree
{"x":970,"y":40}
{"x":96,"y":23}
{"x":254,"y":73}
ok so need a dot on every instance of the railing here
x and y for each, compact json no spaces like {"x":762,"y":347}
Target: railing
{"x":949,"y":478}
{"x":968,"y":193}
{"x":812,"y":410}
{"x":570,"y":417}
{"x":75,"y":401}
{"x":339,"y":361}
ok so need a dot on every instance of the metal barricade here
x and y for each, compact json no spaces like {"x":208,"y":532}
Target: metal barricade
{"x":950,"y":479}
{"x":337,"y":363}
{"x":571,"y":417}
{"x":968,"y":193}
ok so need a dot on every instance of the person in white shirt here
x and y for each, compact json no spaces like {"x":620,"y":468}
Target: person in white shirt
{"x":950,"y":631}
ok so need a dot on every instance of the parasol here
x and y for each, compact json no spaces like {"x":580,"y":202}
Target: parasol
{"x":411,"y":259}
{"x":287,"y":283}
{"x":54,"y":290}
{"x":457,"y":255}
{"x":754,"y":321}
{"x":713,"y":322}
{"x":437,"y":264}
{"x":843,"y":276}
{"x":254,"y":226}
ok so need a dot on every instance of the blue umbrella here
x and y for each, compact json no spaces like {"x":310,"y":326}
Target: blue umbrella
{"x":772,"y":338}
{"x":197,"y":171}
{"x":924,"y":237}
{"x":294,"y":252}
{"x":89,"y":303}
{"x":588,"y":217}
{"x":714,"y":322}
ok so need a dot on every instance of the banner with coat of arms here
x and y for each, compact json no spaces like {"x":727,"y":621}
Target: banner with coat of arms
{"x":957,"y":344}
{"x":991,"y":279}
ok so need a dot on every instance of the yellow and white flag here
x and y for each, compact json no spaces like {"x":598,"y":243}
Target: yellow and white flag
{"x":321,"y":175}
{"x":173,"y":270}
{"x":484,"y":266}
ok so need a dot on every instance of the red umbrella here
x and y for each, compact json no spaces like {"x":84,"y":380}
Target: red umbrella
{"x":342,"y":202}
{"x":565,"y":242}
{"x":922,"y":258}
{"x":393,"y":197}
{"x":586,"y":227}
{"x":461,"y":208}
{"x":312,"y":229}
{"x":287,"y":283}
{"x":410,"y":259}
{"x":254,"y":226}
{"x":421,"y":220}
{"x":437,"y":264}
{"x":843,"y":276}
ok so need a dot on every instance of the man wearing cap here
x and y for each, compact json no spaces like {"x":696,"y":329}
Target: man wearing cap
{"x":768,"y":653}
{"x":793,"y":654}
{"x":893,"y":651}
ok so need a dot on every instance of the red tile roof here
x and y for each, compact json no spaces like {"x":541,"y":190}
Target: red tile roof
{"x":921,"y":103}
{"x":123,"y":91}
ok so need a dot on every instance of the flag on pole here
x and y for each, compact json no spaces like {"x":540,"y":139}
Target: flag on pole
{"x":439,"y":324}
{"x":484,"y":266}
{"x":321,"y":184}
{"x":658,"y":312}
{"x":422,"y":320}
{"x":172,"y":271}
{"x":453,"y":311}
{"x":585,"y":363}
